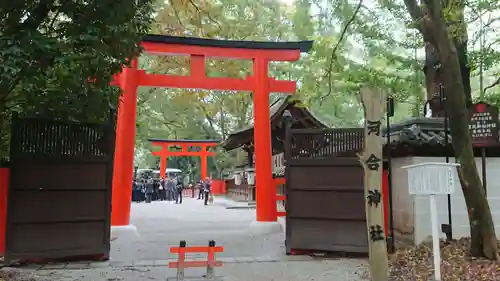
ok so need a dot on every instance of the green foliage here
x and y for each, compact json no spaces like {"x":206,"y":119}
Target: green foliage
{"x":50,"y":48}
{"x":380,"y":48}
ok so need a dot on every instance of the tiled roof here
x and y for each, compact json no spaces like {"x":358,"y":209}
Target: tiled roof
{"x":418,"y":131}
{"x":238,"y":138}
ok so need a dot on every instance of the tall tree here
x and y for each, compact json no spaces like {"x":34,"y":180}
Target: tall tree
{"x":379,"y":27}
{"x":442,"y":25}
{"x":333,"y":98}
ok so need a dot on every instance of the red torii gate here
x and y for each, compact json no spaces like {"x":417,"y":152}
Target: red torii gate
{"x":164,"y":153}
{"x":261,"y":53}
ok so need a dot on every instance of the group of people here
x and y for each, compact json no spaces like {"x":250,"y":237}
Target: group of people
{"x":170,"y":189}
{"x":204,"y":190}
{"x":148,"y":190}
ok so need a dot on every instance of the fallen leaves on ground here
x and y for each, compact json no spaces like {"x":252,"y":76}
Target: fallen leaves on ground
{"x":7,"y":274}
{"x":414,"y":264}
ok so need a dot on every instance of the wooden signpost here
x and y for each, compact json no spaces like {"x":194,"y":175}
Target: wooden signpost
{"x":483,"y":127}
{"x":371,"y":159}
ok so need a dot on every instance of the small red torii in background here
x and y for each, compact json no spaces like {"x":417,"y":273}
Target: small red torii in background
{"x":164,"y":153}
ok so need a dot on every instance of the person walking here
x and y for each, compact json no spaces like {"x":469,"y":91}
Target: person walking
{"x":192,"y":185}
{"x":200,"y":185}
{"x":156,"y":193}
{"x":149,"y":190}
{"x":179,"y":187}
{"x":174,"y":190}
{"x":170,"y":186}
{"x":141,"y":191}
{"x":135,"y":197}
{"x":162,"y":191}
{"x":206,"y":190}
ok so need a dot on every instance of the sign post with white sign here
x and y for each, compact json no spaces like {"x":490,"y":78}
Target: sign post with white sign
{"x":432,"y":179}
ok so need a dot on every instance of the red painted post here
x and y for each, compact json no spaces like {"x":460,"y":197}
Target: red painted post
{"x":210,"y":260}
{"x":197,"y":67}
{"x":181,"y":258}
{"x":124,"y":149}
{"x":203,"y":156}
{"x":163,"y":166}
{"x":385,"y":200}
{"x":163,"y":161}
{"x":265,"y":190}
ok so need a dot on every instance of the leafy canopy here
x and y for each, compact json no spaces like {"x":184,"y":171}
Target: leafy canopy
{"x":50,"y":48}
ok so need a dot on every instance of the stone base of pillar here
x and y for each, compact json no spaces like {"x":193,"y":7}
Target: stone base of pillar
{"x":282,"y":222}
{"x":258,"y":227}
{"x":128,"y":232}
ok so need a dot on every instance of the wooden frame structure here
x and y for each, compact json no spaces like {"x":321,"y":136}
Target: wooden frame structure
{"x":299,"y":117}
{"x":260,"y":53}
{"x":52,"y":181}
{"x":164,"y":153}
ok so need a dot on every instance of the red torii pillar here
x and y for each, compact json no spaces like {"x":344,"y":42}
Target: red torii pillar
{"x":260,"y":53}
{"x":164,"y":153}
{"x":124,"y":146}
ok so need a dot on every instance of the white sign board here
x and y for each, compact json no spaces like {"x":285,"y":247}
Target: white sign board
{"x":278,"y":162}
{"x":251,"y":178}
{"x":431,"y":178}
{"x":237,"y":179}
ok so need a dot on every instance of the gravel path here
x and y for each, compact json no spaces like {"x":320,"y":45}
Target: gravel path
{"x":163,"y":224}
{"x":325,"y":270}
{"x":248,"y":255}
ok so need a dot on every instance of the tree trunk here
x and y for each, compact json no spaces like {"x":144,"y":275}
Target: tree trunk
{"x":457,"y":91}
{"x":480,"y":219}
{"x":433,"y":78}
{"x":461,"y":47}
{"x":482,"y":228}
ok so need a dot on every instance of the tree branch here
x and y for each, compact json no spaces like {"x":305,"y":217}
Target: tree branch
{"x":210,"y":18}
{"x":147,"y":98}
{"x":333,"y":56}
{"x":58,"y":11}
{"x":176,"y":13}
{"x":490,"y":45}
{"x":39,"y":14}
{"x":494,"y":84}
{"x":210,"y":120}
{"x":415,"y":12}
{"x":421,"y":22}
